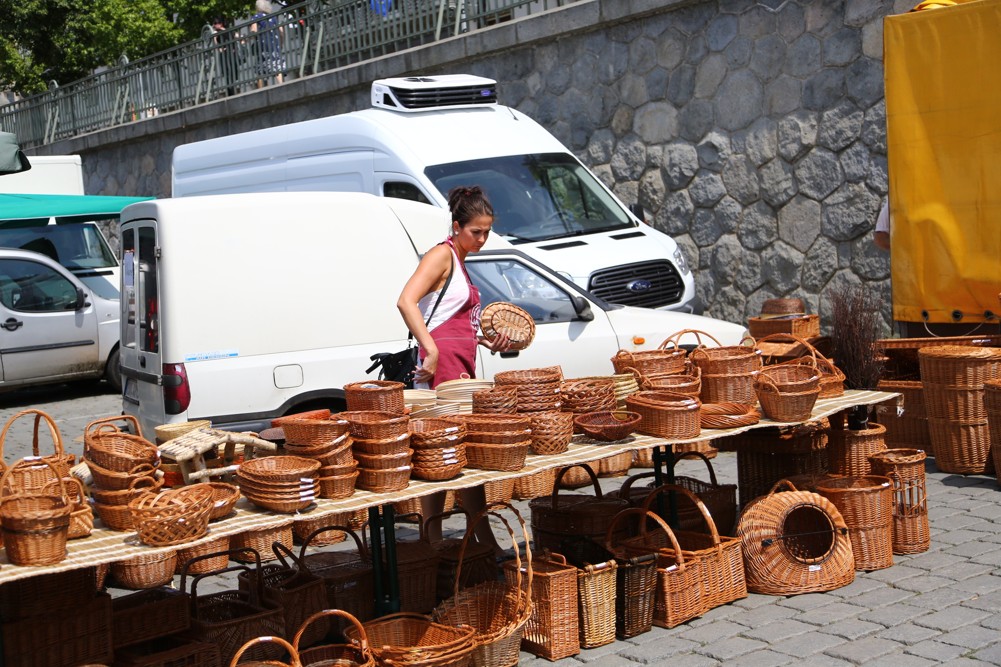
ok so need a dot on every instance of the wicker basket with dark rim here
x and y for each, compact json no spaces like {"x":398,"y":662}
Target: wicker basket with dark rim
{"x":377,"y":395}
{"x":148,"y":614}
{"x":608,"y":426}
{"x":767,"y":455}
{"x":794,"y":542}
{"x":866,"y":505}
{"x":347,"y":574}
{"x":357,"y":653}
{"x":665,"y":414}
{"x":561,"y":516}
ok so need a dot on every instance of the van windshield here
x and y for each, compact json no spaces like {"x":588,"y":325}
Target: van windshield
{"x":536,"y":197}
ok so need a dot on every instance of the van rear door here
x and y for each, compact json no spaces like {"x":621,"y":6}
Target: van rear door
{"x":142,"y":367}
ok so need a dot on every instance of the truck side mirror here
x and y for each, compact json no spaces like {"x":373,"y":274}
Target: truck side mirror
{"x":582,"y":308}
{"x":637,"y":210}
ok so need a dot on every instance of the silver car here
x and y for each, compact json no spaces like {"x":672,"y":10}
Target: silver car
{"x":54,"y":328}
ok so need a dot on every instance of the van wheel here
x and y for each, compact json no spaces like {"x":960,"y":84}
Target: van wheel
{"x":113,"y":371}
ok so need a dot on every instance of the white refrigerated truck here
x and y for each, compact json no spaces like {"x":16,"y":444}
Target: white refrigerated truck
{"x":425,"y":135}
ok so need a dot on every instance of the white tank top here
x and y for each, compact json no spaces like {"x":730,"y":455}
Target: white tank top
{"x":455,"y":296}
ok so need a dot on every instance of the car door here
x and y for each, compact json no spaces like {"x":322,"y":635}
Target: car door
{"x":563,"y":337}
{"x":44,"y":335}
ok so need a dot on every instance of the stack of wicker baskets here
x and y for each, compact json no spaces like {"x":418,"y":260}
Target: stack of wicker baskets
{"x":328,"y":441}
{"x":122,"y":468}
{"x":279,"y":483}
{"x":381,"y":445}
{"x":496,"y":441}
{"x":728,"y":372}
{"x":552,"y":431}
{"x":439,"y":448}
{"x":587,"y":395}
{"x":496,"y":400}
{"x":953,"y":378}
{"x":538,"y":389}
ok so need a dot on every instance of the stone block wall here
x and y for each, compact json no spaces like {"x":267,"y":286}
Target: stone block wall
{"x":752,"y":131}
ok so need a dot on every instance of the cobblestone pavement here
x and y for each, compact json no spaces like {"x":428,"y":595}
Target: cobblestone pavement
{"x":939,"y":607}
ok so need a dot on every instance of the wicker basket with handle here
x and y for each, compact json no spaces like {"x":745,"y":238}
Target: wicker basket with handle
{"x":172,"y":517}
{"x":110,"y":447}
{"x":33,"y":478}
{"x":552,"y":629}
{"x":562,"y":517}
{"x":665,"y":414}
{"x":35,"y":525}
{"x":357,"y":653}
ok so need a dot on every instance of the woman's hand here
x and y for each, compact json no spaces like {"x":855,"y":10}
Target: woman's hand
{"x":425,"y":372}
{"x":502,"y":343}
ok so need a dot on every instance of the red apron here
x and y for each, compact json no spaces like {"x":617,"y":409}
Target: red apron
{"x":456,"y":338}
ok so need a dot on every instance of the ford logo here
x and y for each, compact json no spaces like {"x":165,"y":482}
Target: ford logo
{"x":639,"y":286}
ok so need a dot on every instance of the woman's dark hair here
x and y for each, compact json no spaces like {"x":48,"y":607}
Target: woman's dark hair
{"x":468,"y":202}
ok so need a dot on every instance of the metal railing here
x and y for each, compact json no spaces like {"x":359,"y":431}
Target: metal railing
{"x":302,"y":39}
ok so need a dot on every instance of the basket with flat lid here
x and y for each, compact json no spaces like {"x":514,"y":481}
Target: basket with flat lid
{"x":502,"y":317}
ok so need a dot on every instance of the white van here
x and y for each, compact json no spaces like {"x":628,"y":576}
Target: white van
{"x":425,"y":135}
{"x":243,"y":308}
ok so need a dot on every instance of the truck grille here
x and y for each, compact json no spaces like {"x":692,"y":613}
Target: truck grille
{"x":665,"y":284}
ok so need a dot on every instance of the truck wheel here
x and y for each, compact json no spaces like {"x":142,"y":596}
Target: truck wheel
{"x":113,"y":371}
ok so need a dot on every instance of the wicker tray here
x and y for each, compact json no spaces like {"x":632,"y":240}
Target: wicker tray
{"x":507,"y":318}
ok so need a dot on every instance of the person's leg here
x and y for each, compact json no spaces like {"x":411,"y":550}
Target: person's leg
{"x":432,"y":504}
{"x":474,"y":501}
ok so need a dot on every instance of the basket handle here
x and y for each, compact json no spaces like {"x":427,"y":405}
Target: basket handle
{"x":33,"y":461}
{"x":57,"y":438}
{"x":628,"y":484}
{"x":234,"y":568}
{"x":493,"y":509}
{"x":282,"y":552}
{"x":440,"y":516}
{"x":79,"y":494}
{"x":362,"y":550}
{"x":130,"y":421}
{"x":705,"y":459}
{"x":695,"y":499}
{"x":640,"y":378}
{"x":553,"y":557}
{"x":698,"y":333}
{"x":679,"y":558}
{"x":292,"y":651}
{"x":563,"y":470}
{"x":782,"y":482}
{"x":763,"y":382}
{"x":361,"y":643}
{"x":793,"y":338}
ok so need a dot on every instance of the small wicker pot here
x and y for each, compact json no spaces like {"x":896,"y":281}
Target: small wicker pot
{"x":866,"y":504}
{"x":145,"y":571}
{"x":849,"y":450}
{"x":379,"y":395}
{"x":794,"y":542}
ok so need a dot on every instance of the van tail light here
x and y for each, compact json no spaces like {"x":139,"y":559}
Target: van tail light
{"x":176,"y":390}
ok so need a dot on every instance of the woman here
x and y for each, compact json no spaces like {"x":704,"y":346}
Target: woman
{"x":445,"y":325}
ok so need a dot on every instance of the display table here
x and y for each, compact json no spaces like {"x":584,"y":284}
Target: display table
{"x":106,"y":546}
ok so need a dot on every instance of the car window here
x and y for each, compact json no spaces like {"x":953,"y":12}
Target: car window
{"x":512,"y":281}
{"x":402,"y":190}
{"x":34,"y":288}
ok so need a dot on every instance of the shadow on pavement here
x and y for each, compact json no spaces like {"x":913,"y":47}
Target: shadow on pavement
{"x":30,"y":396}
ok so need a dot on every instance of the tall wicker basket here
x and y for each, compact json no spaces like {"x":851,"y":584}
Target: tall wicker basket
{"x":866,"y":504}
{"x":849,"y":450}
{"x":906,"y":467}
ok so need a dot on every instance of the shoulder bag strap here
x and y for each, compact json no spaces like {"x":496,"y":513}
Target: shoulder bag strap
{"x":441,"y":294}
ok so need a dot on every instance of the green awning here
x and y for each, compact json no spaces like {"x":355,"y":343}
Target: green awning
{"x":28,"y":209}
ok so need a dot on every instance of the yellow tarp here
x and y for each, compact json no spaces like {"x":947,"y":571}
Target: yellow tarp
{"x":943,"y":116}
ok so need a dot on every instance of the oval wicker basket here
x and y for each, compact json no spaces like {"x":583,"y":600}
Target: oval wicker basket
{"x":278,"y":469}
{"x":608,"y":426}
{"x":431,"y":432}
{"x":728,"y":415}
{"x":114,"y":449}
{"x":529,"y":376}
{"x":665,"y":414}
{"x":375,"y":424}
{"x":172,"y":517}
{"x":383,"y":480}
{"x":145,"y":570}
{"x":959,"y":365}
{"x":392,"y":445}
{"x":502,"y":317}
{"x":667,"y":359}
{"x":304,"y":431}
{"x":508,"y":457}
{"x":384,"y":461}
{"x":492,"y":422}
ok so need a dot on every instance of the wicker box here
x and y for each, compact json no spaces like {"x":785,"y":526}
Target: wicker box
{"x":46,"y":594}
{"x":75,"y":636}
{"x":804,"y":326}
{"x":149,"y":614}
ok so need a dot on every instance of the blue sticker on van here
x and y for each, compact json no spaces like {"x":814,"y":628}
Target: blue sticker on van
{"x":205,"y":356}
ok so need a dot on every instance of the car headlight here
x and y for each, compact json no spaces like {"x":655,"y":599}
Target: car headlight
{"x":679,"y":259}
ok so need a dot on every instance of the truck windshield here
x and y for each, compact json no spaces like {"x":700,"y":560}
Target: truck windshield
{"x":536,"y":197}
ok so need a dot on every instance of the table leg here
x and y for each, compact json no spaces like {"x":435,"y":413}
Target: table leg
{"x":664,"y":456}
{"x":386,"y":582}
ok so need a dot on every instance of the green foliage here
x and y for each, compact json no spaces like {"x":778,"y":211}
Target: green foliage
{"x":65,"y":40}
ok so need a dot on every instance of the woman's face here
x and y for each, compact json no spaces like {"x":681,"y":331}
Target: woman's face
{"x":474,"y":234}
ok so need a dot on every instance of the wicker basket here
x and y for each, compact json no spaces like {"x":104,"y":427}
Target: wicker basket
{"x":172,"y":517}
{"x":866,"y":505}
{"x":722,"y":575}
{"x":668,"y":358}
{"x":35,"y":526}
{"x":992,"y":405}
{"x":414,"y":640}
{"x":666,"y":414}
{"x":959,"y":365}
{"x":256,"y":644}
{"x":906,"y":468}
{"x":678,"y":585}
{"x":508,"y":457}
{"x":498,"y":400}
{"x":358,"y":653}
{"x":375,"y":424}
{"x":118,"y":481}
{"x":507,"y":318}
{"x":478,"y":564}
{"x":168,"y":652}
{"x":347,"y":574}
{"x":82,"y":516}
{"x":608,"y":426}
{"x":535,"y":485}
{"x":689,"y":381}
{"x":262,"y":541}
{"x":849,"y":450}
{"x":417,"y":567}
{"x":559,"y":520}
{"x":795,"y":542}
{"x":435,"y":433}
{"x":146,"y":570}
{"x":767,"y":455}
{"x":313,"y":431}
{"x":497,"y":611}
{"x":722,"y":359}
{"x":224,"y":497}
{"x":529,"y":376}
{"x":587,"y":395}
{"x":728,"y":415}
{"x":36,"y":476}
{"x":781,"y":405}
{"x":375,"y":395}
{"x":617,"y":465}
{"x":230,"y":618}
{"x":551,"y":432}
{"x":114,"y":449}
{"x":804,"y":326}
{"x":305,"y":524}
{"x":597,"y":601}
{"x":215,"y":550}
{"x":166,"y":432}
{"x":552,"y":630}
{"x":80,"y":635}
